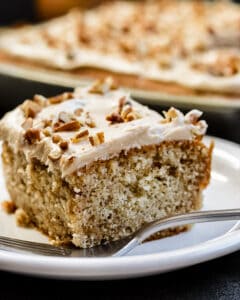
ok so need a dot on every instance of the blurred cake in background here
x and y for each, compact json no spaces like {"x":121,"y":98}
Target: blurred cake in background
{"x":176,"y":47}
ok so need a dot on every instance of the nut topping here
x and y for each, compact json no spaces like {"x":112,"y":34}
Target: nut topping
{"x":114,"y":118}
{"x":32,"y":135}
{"x":127,"y":109}
{"x":28,"y":123}
{"x":169,"y":115}
{"x":60,"y":98}
{"x":63,"y":145}
{"x":46,"y":132}
{"x":102,"y":86}
{"x":97,"y":139}
{"x":89,"y":121}
{"x":55,"y":154}
{"x":125,"y":112}
{"x":70,"y":126}
{"x":56,"y":139}
{"x":39,"y":99}
{"x":78,"y":112}
{"x":64,"y":117}
{"x":30,"y":108}
{"x":47,"y":123}
{"x":82,"y":135}
{"x":9,"y":206}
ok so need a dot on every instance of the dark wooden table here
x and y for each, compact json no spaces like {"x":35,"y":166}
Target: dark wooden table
{"x":217,"y":279}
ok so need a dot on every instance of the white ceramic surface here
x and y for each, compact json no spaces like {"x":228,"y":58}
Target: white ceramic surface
{"x":202,"y":243}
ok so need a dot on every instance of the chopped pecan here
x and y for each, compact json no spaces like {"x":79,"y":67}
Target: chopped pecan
{"x":110,"y":82}
{"x":225,"y":65}
{"x":121,"y":103}
{"x":70,"y":126}
{"x":114,"y":118}
{"x":28,"y":123}
{"x":56,"y":139}
{"x":164,"y":62}
{"x":78,"y":112}
{"x":126,"y":46}
{"x":97,"y":87}
{"x":60,"y":98}
{"x":63,"y":145}
{"x":9,"y":206}
{"x":49,"y":39}
{"x":102,"y":86}
{"x":89,"y":121}
{"x":169,"y":115}
{"x":30,"y":108}
{"x":193,"y":116}
{"x":97,"y":139}
{"x":46,"y":132}
{"x":47,"y":123}
{"x":101,"y":137}
{"x":82,"y":135}
{"x":22,"y":218}
{"x":65,"y":117}
{"x":125,"y":111}
{"x":132,"y":116}
{"x":40,"y":100}
{"x":32,"y":135}
{"x":55,"y":154}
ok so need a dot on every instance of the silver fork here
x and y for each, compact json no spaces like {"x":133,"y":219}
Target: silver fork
{"x":123,"y":246}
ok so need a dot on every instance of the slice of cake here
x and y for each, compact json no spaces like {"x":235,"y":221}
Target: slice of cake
{"x":94,"y":165}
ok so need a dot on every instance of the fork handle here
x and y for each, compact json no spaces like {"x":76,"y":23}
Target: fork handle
{"x":178,"y":220}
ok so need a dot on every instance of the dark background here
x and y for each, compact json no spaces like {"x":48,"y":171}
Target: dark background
{"x":217,"y":279}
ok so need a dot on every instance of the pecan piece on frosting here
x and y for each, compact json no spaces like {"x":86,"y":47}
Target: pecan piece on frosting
{"x":32,"y":135}
{"x":78,"y":112}
{"x":28,"y":123}
{"x":63,"y":145}
{"x":60,"y":98}
{"x":9,"y":206}
{"x":55,"y":154}
{"x":56,"y":139}
{"x":97,"y":139}
{"x":30,"y":108}
{"x":114,"y":118}
{"x":102,"y":86}
{"x":82,"y":135}
{"x":70,"y":126}
{"x":65,"y":117}
{"x":40,"y":100}
{"x":169,"y":115}
{"x":46,"y":132}
{"x":131,"y":116}
{"x":124,"y":113}
{"x":89,"y":121}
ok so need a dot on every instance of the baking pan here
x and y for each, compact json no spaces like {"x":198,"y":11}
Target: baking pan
{"x":18,"y":82}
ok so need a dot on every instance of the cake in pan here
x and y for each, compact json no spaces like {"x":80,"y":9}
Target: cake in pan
{"x":175,"y":47}
{"x":93,"y":165}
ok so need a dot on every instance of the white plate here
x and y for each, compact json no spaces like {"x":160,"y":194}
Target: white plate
{"x":202,"y":243}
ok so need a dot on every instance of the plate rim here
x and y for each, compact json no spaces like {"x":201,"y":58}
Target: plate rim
{"x":126,"y":266}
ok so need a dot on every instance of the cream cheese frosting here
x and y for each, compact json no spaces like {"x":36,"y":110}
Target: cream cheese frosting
{"x":143,"y":44}
{"x":108,"y":122}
